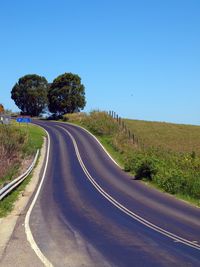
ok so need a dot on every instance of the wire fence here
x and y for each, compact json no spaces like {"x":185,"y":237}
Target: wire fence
{"x":131,"y":136}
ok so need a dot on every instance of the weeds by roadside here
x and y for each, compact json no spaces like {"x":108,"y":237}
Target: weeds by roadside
{"x":17,"y":143}
{"x":11,"y":145}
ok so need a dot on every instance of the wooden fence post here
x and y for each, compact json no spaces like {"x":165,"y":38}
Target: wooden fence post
{"x":129,"y":134}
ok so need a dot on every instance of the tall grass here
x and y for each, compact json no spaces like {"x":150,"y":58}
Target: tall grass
{"x":11,"y":144}
{"x":16,"y":144}
{"x":169,"y":136}
{"x":169,"y":157}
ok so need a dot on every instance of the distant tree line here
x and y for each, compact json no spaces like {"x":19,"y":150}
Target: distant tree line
{"x":34,"y":95}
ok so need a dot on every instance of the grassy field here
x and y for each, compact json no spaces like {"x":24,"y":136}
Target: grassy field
{"x":174,"y":137}
{"x":35,"y":138}
{"x":167,"y":155}
{"x":17,"y":144}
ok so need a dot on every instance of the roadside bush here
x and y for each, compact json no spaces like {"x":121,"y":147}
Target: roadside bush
{"x":12,"y":141}
{"x":100,"y":123}
{"x":141,"y":164}
{"x":177,"y":178}
{"x":132,"y":162}
{"x":175,"y":173}
{"x":78,"y":117}
{"x":172,"y":181}
{"x":146,"y":169}
{"x":194,"y":187}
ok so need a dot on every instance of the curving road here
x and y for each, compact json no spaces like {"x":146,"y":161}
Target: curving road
{"x":90,"y":213}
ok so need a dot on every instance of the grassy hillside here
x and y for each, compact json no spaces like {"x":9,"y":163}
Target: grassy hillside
{"x":175,"y":137}
{"x":167,"y":155}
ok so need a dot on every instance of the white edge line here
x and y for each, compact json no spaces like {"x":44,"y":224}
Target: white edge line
{"x":124,"y":209}
{"x":29,"y":234}
{"x":95,"y":139}
{"x":101,"y":146}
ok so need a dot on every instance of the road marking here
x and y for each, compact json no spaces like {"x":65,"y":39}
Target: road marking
{"x":123,"y":208}
{"x":29,"y":234}
{"x":78,"y":126}
{"x":101,"y":146}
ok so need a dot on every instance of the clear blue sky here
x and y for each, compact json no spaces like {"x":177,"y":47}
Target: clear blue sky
{"x":139,"y":58}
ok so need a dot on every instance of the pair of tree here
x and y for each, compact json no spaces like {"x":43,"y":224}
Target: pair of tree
{"x":33,"y":94}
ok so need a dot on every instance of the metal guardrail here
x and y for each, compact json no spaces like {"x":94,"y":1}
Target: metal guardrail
{"x":12,"y":185}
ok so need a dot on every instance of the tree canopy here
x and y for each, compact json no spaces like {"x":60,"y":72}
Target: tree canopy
{"x":66,"y":94}
{"x":30,"y":94}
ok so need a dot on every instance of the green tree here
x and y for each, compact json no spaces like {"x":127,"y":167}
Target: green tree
{"x":66,"y":94}
{"x":30,"y":94}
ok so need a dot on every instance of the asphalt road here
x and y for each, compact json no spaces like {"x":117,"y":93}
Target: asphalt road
{"x":90,"y":213}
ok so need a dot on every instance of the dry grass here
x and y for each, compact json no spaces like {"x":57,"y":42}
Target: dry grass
{"x":174,"y":137}
{"x":11,"y":142}
{"x":17,"y":145}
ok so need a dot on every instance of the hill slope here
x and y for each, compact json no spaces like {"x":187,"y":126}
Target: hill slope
{"x":169,"y":136}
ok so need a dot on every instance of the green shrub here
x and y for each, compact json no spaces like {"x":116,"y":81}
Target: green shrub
{"x":133,"y":162}
{"x":172,"y":181}
{"x":147,"y":169}
{"x":141,"y":164}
